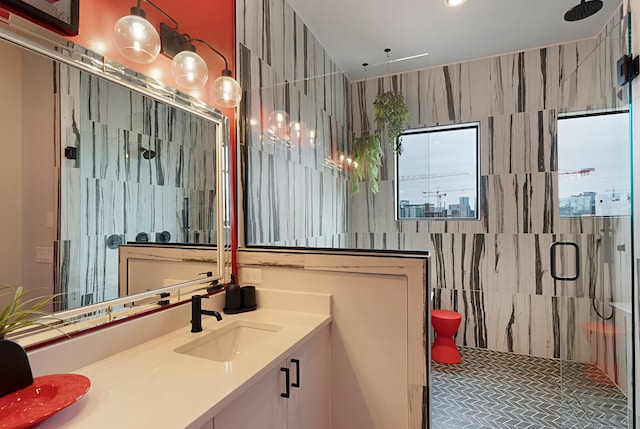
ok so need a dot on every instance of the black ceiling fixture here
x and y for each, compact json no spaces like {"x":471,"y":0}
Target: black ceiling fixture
{"x":583,"y":10}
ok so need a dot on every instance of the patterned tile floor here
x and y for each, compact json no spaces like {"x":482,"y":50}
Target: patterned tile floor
{"x":495,"y":390}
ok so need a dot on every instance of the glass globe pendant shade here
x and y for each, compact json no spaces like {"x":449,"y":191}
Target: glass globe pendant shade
{"x":226,"y":91}
{"x":278,"y":124}
{"x":297,"y":130}
{"x":189,"y":70}
{"x":136,"y":39}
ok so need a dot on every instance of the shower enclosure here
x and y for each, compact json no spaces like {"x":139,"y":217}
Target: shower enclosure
{"x":591,"y":258}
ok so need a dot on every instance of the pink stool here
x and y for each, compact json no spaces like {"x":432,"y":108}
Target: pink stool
{"x":445,"y":323}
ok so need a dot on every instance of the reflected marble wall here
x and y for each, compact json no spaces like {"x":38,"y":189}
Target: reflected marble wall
{"x":299,"y":193}
{"x":116,"y":188}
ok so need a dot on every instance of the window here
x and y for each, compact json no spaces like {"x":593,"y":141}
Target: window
{"x":438,"y":173}
{"x":594,"y":165}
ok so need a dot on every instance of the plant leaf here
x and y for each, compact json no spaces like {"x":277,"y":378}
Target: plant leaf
{"x":17,"y":313}
{"x":391,"y":117}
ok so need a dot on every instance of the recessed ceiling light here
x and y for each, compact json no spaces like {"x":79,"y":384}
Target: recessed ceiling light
{"x":453,"y":3}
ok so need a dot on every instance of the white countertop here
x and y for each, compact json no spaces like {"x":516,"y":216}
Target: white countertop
{"x":151,"y":385}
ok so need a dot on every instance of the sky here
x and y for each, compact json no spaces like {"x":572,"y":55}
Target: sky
{"x":600,"y":142}
{"x":451,"y":151}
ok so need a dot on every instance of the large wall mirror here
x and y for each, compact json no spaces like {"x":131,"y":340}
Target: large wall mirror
{"x":113,"y":184}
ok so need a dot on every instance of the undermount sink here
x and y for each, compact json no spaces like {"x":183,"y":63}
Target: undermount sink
{"x":230,"y":341}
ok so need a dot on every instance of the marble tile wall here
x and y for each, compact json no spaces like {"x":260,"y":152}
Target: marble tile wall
{"x":113,"y":189}
{"x":495,"y":271}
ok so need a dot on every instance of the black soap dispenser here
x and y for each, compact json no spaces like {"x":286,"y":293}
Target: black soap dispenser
{"x":233,"y":301}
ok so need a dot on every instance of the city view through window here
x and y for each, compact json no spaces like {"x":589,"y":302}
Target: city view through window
{"x":437,"y":173}
{"x":594,"y":165}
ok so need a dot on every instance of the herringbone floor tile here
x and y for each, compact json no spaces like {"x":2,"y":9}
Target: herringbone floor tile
{"x":495,"y":390}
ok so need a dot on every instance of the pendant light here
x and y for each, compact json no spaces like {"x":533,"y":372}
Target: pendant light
{"x":189,"y":69}
{"x":453,"y":3}
{"x":139,"y":41}
{"x":136,"y":39}
{"x":226,"y":90}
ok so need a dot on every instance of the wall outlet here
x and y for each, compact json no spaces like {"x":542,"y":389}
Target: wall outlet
{"x":252,"y":276}
{"x":44,"y":255}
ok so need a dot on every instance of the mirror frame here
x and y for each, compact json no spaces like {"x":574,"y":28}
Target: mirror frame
{"x":27,"y":35}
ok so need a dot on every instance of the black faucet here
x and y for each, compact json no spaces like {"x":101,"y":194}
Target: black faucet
{"x":197,"y":312}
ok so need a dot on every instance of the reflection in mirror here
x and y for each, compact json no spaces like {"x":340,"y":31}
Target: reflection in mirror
{"x":134,"y":170}
{"x":104,"y":169}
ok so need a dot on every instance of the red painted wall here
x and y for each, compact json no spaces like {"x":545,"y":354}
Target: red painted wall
{"x":211,"y":21}
{"x":204,"y":19}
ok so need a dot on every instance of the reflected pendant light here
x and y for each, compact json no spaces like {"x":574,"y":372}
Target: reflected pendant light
{"x":453,"y":3}
{"x":226,"y":91}
{"x":189,"y":69}
{"x":136,"y":39}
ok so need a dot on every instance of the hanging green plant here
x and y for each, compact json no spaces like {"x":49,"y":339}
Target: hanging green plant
{"x":391,"y":117}
{"x":367,"y":156}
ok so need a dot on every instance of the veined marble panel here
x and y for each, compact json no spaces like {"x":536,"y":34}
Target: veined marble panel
{"x":340,"y":241}
{"x":70,"y":280}
{"x":518,"y":263}
{"x":574,"y":338}
{"x":113,"y":189}
{"x":101,"y":282}
{"x":70,"y":194}
{"x":514,"y":83}
{"x":592,"y":83}
{"x":274,"y":33}
{"x":457,"y":261}
{"x":536,"y":325}
{"x":102,"y":207}
{"x":298,"y":170}
{"x":521,"y":203}
{"x":519,"y":143}
{"x":605,"y":272}
{"x":542,"y":75}
{"x":608,"y":341}
{"x":309,"y":200}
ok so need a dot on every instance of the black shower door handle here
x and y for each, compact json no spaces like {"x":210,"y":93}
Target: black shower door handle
{"x":552,"y":251}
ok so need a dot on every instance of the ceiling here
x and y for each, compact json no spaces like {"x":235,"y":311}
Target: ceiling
{"x":357,"y":31}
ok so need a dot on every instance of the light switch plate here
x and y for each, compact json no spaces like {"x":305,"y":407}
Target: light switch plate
{"x":44,"y":255}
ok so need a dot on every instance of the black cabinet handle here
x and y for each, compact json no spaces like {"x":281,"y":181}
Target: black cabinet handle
{"x":297,"y":383}
{"x":286,"y":374}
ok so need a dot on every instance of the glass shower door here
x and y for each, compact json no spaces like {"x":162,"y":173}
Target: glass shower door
{"x":591,"y":259}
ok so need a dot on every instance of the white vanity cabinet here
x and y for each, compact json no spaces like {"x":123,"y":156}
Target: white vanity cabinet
{"x":308,"y":406}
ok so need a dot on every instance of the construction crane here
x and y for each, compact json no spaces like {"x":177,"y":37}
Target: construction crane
{"x":581,"y":172}
{"x":439,"y":194}
{"x":432,"y":176}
